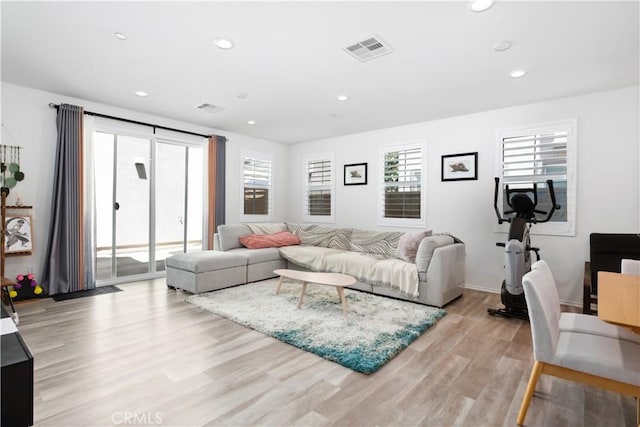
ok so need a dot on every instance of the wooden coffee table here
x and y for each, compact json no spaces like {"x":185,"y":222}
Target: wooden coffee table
{"x":337,"y":280}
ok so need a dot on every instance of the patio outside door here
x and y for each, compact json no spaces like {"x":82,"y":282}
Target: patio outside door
{"x":122,"y":192}
{"x":144,"y":214}
{"x":178,"y":200}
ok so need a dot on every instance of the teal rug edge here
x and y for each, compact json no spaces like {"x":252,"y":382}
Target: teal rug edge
{"x":359,"y":360}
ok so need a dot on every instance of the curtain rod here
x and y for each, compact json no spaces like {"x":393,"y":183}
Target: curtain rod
{"x":135,"y":122}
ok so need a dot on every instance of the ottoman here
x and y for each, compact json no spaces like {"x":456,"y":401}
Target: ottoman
{"x":206,"y":271}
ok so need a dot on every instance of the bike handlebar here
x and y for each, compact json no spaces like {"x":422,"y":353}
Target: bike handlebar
{"x":552,"y":194}
{"x":554,"y":205}
{"x":495,"y":203}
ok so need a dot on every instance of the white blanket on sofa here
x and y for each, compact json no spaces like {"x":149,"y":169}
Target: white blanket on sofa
{"x":392,"y":272}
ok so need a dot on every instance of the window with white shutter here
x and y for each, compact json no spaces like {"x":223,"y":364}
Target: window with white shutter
{"x":319,"y":189}
{"x":536,"y":154}
{"x":257,"y":186}
{"x":402,"y":185}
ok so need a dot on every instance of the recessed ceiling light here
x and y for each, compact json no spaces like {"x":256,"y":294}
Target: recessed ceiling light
{"x":480,"y":5}
{"x":223,"y":43}
{"x":120,"y":36}
{"x":516,"y":74}
{"x":502,"y":46}
{"x":342,"y":98}
{"x":141,"y":93}
{"x":251,"y":122}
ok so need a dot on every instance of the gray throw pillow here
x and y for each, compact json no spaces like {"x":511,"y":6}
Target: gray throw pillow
{"x":230,"y":234}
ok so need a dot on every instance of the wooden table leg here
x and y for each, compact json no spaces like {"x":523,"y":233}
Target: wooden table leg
{"x":343,"y":300}
{"x":279,"y":285}
{"x":302,"y":291}
{"x":9,"y":299}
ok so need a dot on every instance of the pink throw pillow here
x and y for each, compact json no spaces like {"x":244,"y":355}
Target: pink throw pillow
{"x":408,"y":244}
{"x":275,"y":240}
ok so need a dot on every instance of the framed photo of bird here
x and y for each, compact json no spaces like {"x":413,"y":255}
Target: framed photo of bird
{"x":460,"y":167}
{"x":18,"y":234}
{"x":355,"y":174}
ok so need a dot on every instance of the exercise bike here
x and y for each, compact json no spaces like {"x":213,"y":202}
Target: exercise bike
{"x":518,"y":246}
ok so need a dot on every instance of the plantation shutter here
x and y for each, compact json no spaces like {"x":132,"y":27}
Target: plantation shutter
{"x":318,"y":189}
{"x":536,"y":158}
{"x":257,"y":186}
{"x":402,"y":183}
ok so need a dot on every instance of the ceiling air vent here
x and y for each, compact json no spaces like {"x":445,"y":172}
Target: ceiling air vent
{"x":373,"y":47}
{"x":209,"y":108}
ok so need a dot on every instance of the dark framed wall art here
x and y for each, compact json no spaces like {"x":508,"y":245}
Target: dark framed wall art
{"x":18,"y":234}
{"x":460,"y":167}
{"x":355,"y":174}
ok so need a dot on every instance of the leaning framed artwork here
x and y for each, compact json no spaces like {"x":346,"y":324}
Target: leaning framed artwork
{"x":18,"y":234}
{"x":460,"y":167}
{"x":355,"y":174}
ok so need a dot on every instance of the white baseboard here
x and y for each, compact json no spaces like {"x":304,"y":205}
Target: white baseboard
{"x":481,"y":288}
{"x":497,"y":291}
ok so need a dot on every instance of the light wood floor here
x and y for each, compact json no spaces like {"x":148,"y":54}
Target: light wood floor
{"x":147,"y":355}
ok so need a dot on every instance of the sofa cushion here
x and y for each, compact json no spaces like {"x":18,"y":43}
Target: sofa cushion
{"x":426,"y":248}
{"x":267,"y":227}
{"x":199,"y":262}
{"x":275,"y":240}
{"x":230,"y":234}
{"x":408,"y":244}
{"x":256,"y":256}
{"x":375,"y":242}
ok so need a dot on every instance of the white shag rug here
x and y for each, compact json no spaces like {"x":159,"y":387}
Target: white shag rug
{"x":375,"y":329}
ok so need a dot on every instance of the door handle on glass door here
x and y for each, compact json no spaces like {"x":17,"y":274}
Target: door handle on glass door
{"x":116,"y":206}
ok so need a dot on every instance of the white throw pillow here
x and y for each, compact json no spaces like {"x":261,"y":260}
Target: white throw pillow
{"x":408,"y":244}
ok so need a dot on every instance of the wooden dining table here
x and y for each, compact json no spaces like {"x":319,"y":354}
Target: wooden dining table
{"x":619,"y":299}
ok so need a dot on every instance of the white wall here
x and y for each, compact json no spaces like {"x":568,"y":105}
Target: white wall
{"x":608,"y":180}
{"x":608,"y":174}
{"x":27,"y":116}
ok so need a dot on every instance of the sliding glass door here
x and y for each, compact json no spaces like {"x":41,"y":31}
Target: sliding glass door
{"x":148,"y":203}
{"x":178,"y":200}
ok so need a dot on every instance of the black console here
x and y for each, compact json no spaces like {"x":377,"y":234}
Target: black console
{"x":17,"y":380}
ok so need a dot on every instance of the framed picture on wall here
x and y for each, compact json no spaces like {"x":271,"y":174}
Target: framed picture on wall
{"x":460,"y":167}
{"x":18,"y":234}
{"x":355,"y":174}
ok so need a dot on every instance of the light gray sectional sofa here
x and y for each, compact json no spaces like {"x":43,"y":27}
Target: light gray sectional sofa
{"x":435,"y":278}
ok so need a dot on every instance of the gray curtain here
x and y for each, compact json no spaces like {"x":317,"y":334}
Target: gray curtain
{"x":220,"y":179}
{"x":216,"y":185}
{"x":66,"y":267}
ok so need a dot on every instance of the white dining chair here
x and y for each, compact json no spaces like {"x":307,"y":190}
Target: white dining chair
{"x":594,"y":360}
{"x":583,"y":323}
{"x":630,"y":266}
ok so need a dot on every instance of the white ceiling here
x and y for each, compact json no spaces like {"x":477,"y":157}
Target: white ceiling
{"x":289,"y":59}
